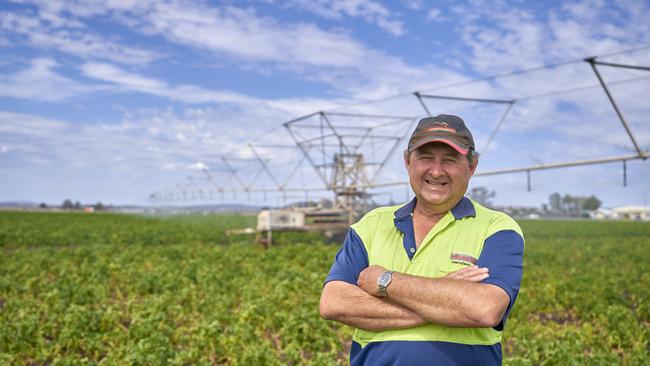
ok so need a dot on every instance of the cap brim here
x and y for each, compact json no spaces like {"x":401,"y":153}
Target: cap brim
{"x":455,"y":146}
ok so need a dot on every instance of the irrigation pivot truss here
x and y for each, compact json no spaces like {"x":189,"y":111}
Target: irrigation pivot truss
{"x":348,"y":148}
{"x":349,"y":155}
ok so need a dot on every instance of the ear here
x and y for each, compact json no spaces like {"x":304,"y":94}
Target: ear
{"x":406,"y":158}
{"x":472,"y":168}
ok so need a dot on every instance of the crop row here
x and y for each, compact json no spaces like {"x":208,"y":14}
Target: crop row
{"x":39,"y":229}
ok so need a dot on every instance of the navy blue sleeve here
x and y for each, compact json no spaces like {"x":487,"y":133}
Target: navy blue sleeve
{"x":351,"y":259}
{"x":503,"y":254}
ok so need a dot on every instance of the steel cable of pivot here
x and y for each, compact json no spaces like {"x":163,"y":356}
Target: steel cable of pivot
{"x":580,"y":88}
{"x":491,"y":77}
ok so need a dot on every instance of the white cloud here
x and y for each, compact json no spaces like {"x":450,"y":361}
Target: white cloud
{"x":39,"y":82}
{"x":371,"y":11}
{"x":435,"y":14}
{"x":244,"y":34}
{"x":129,"y":81}
{"x":125,"y":81}
{"x":76,"y":40}
{"x":516,"y":41}
{"x":254,"y":42}
{"x":169,"y":167}
{"x":413,"y":4}
{"x":162,"y":142}
{"x":141,"y":142}
{"x":17,"y":124}
{"x":59,"y":12}
{"x":505,"y":37}
{"x":108,"y":72}
{"x":330,"y":56}
{"x":70,"y":145}
{"x":198,"y":166}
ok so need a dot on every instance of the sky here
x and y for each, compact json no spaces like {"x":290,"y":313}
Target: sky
{"x":113,"y":101}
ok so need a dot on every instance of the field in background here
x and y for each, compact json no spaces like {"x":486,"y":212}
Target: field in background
{"x":116,"y":289}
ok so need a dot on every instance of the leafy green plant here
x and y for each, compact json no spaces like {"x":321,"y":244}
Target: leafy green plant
{"x":115,"y":289}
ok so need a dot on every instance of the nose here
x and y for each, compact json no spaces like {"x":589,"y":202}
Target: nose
{"x":435,"y":168}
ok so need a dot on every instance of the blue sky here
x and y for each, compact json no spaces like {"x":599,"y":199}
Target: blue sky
{"x":114,"y":100}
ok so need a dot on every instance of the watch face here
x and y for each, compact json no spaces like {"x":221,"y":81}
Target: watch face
{"x":384,"y":278}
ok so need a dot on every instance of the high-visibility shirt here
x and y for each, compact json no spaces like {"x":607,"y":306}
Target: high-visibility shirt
{"x":468,"y":234}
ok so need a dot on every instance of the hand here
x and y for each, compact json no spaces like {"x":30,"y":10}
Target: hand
{"x":472,"y":274}
{"x":368,"y":279}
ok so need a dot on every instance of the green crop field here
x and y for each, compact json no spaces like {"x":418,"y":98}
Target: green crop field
{"x":112,"y":289}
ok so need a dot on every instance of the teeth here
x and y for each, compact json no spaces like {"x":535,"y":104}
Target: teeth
{"x":433,"y":183}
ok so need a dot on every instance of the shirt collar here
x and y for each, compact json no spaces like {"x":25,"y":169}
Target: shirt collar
{"x":406,"y":210}
{"x":464,"y":208}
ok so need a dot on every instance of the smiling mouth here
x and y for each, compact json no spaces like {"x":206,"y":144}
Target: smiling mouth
{"x":434,"y":183}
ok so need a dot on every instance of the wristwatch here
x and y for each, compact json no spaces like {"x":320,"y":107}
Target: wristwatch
{"x":383,"y":281}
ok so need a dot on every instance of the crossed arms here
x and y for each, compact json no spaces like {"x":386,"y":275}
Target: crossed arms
{"x":457,"y":300}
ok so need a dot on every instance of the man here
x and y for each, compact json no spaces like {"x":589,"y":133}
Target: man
{"x":431,"y":282}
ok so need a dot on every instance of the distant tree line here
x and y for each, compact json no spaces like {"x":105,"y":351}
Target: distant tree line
{"x":558,"y":205}
{"x":69,"y":205}
{"x":482,"y":195}
{"x":569,"y":205}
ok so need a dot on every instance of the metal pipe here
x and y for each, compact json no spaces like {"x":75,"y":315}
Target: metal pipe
{"x":483,"y":100}
{"x":233,"y":172}
{"x":335,"y":126}
{"x":385,"y":137}
{"x":302,"y":158}
{"x":338,"y":136}
{"x":498,"y":126}
{"x":417,"y":94}
{"x":365,"y":115}
{"x":643,"y":156}
{"x":592,"y":62}
{"x":644,"y":68}
{"x":286,"y":124}
{"x":264,"y":165}
{"x":306,"y":155}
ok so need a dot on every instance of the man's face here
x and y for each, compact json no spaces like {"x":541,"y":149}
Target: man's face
{"x":439,"y":176}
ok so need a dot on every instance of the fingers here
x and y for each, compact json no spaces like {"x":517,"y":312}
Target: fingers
{"x":472,"y":274}
{"x":367,"y":280}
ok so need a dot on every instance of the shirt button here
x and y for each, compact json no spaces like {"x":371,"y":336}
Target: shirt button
{"x":412,"y":250}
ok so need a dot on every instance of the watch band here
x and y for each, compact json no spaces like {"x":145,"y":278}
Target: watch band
{"x":383,"y":282}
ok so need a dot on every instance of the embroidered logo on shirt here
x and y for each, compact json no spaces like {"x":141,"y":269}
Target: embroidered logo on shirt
{"x":464,"y":259}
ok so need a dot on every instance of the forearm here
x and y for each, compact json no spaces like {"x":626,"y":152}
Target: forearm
{"x":448,"y":301}
{"x":350,"y":305}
